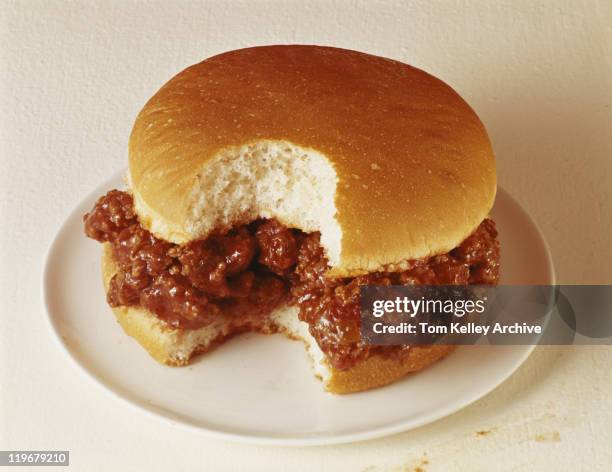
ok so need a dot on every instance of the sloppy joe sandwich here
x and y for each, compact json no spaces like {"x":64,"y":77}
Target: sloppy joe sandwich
{"x":266,"y":185}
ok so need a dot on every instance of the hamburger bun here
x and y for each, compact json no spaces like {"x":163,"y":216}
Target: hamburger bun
{"x":176,"y":347}
{"x":388,"y":162}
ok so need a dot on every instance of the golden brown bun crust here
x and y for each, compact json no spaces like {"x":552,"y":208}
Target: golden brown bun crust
{"x":163,"y":343}
{"x":377,"y":371}
{"x":416,"y":171}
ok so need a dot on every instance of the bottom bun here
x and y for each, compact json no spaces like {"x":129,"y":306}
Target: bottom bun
{"x":175,"y":347}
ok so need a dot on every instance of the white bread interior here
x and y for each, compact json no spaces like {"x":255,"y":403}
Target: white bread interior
{"x":264,"y":179}
{"x":286,"y":319}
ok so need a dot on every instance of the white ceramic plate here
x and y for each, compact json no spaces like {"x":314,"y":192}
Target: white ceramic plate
{"x":261,"y":389}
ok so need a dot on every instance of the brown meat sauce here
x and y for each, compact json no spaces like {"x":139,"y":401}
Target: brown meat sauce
{"x":254,"y":268}
{"x":331,"y":306}
{"x":188,"y":285}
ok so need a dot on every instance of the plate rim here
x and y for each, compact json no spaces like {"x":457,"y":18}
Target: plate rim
{"x":236,"y":437}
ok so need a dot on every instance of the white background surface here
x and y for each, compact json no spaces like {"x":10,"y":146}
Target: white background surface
{"x":73,"y":77}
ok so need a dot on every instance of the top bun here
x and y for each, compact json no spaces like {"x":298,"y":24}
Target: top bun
{"x":386,"y":161}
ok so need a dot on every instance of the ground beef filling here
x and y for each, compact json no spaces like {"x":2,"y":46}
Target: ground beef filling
{"x":331,"y":306}
{"x":242,"y":272}
{"x":256,"y":267}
